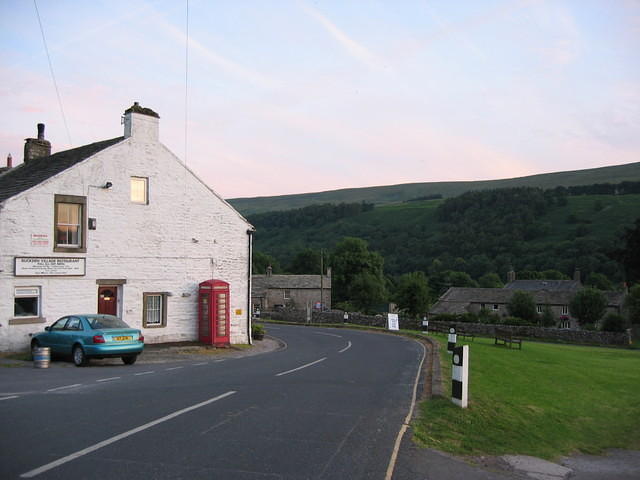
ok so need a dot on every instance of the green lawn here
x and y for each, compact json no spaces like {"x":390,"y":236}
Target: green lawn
{"x":546,"y":400}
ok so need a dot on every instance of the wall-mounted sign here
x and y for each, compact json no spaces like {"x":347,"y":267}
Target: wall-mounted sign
{"x":39,"y":240}
{"x":49,"y":266}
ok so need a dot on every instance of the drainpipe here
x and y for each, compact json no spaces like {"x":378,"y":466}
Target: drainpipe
{"x":249,"y":306}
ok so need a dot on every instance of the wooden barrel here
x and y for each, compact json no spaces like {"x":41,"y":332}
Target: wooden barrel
{"x":41,"y":357}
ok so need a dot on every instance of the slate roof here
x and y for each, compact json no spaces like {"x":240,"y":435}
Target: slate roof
{"x":261,"y":283}
{"x":550,"y":285}
{"x":459,"y":299}
{"x":33,"y":172}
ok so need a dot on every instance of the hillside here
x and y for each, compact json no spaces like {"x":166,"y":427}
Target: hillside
{"x":477,"y":236}
{"x":399,"y":193}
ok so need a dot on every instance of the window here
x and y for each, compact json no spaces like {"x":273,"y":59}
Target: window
{"x":287,"y":294}
{"x":496,"y":306}
{"x":26,"y":302}
{"x":154,"y":310}
{"x":539,"y":308}
{"x":70,"y":220}
{"x":565,"y":310}
{"x":140,"y":190}
{"x":74,"y":323}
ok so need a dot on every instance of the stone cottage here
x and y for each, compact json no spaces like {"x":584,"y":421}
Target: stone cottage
{"x":553,"y":294}
{"x":119,"y":226}
{"x":291,"y":291}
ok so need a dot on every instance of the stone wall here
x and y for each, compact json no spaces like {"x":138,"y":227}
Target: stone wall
{"x":337,"y":316}
{"x":579,"y":337}
{"x":560,"y":335}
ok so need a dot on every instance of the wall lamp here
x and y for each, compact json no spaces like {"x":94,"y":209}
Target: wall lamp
{"x":108,"y":185}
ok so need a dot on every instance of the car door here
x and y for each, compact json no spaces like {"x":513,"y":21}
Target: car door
{"x":55,"y":337}
{"x":72,"y":331}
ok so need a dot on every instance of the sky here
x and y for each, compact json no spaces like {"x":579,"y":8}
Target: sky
{"x":273,"y":97}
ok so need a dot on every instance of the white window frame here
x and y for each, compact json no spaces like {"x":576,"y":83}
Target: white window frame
{"x":28,"y":292}
{"x":565,"y":310}
{"x":145,"y":183}
{"x":157,"y":313}
{"x":495,"y":307}
{"x":286,"y":295}
{"x":539,"y":308}
{"x":81,"y":204}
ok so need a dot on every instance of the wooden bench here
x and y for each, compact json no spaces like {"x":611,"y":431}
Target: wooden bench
{"x":504,"y":337}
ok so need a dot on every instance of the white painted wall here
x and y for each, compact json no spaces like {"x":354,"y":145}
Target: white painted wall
{"x":185,"y":235}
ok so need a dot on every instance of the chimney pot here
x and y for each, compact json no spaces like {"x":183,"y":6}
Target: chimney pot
{"x":9,"y":161}
{"x":41,"y":131}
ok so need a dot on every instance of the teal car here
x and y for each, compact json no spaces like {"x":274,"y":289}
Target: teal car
{"x":91,"y":336}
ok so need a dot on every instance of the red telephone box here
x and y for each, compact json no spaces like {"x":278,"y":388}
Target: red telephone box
{"x":213,"y":312}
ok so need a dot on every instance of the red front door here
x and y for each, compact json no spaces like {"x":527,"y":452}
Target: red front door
{"x":108,"y":300}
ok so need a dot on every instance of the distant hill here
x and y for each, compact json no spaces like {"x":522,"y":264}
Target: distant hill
{"x":408,"y":191}
{"x":478,"y":232}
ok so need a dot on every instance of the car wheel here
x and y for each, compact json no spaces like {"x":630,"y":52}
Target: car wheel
{"x":79,"y":357}
{"x":129,"y":359}
{"x":34,"y":344}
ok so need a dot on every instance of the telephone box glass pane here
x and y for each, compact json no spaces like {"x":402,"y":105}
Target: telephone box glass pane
{"x":204,"y":315}
{"x":222,"y":315}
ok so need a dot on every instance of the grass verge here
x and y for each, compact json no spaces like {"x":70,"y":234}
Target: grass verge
{"x":546,"y":400}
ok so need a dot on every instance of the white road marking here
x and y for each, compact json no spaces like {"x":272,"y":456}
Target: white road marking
{"x":66,"y":386}
{"x":9,"y":398}
{"x":405,"y":425}
{"x":173,"y":368}
{"x":198,"y":364}
{"x":145,"y":373}
{"x":108,"y":379}
{"x":300,"y":368}
{"x":327,"y":334}
{"x":218,"y":361}
{"x":345,"y":348}
{"x":109,"y":441}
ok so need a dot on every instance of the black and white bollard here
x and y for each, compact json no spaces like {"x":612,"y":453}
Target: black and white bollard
{"x":345,"y":317}
{"x":425,"y":325}
{"x":460,"y":376}
{"x":453,"y":338}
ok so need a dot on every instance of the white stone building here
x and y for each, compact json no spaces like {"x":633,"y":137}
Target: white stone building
{"x":120,"y":226}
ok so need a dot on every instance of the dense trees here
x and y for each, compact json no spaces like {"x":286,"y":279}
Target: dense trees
{"x":523,"y":306}
{"x":629,"y":254}
{"x":357,"y":274}
{"x":412,"y":294}
{"x":588,"y":306}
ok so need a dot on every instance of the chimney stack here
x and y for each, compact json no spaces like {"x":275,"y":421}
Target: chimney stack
{"x":37,"y":147}
{"x":511,"y":275}
{"x":9,"y":165}
{"x":269,"y":271}
{"x":576,"y":275}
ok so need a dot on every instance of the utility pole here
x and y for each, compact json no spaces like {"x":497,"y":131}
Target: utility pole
{"x":321,"y":281}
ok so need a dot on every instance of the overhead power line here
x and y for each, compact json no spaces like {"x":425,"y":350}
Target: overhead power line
{"x":53,"y":76}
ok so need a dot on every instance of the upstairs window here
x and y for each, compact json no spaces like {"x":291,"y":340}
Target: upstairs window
{"x":70,"y":220}
{"x":140,"y":190}
{"x":287,"y":294}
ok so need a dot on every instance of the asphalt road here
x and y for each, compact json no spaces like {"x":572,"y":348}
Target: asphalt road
{"x":328,"y":406}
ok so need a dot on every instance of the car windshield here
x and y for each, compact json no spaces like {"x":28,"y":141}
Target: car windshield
{"x":106,"y":322}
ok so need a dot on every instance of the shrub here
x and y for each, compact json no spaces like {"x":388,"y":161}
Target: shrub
{"x":613,"y":322}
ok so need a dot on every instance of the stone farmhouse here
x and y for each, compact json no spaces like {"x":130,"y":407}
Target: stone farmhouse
{"x":270,"y":291}
{"x":119,"y":226}
{"x":555,"y":294}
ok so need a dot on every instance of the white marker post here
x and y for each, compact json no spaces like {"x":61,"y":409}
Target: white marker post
{"x":392,"y":321}
{"x":460,"y":376}
{"x":425,"y":325}
{"x":453,"y":338}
